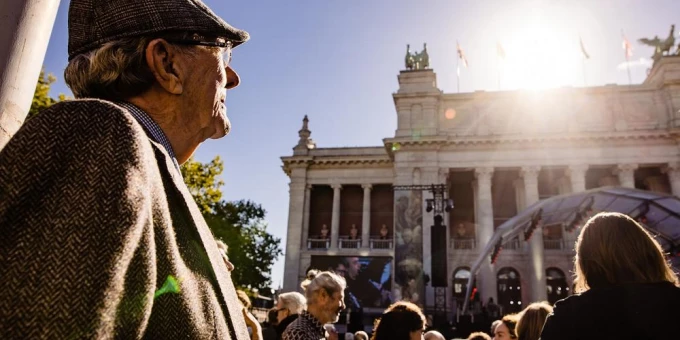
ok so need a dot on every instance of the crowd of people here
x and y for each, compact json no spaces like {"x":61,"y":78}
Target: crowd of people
{"x":621,"y":275}
{"x":102,"y":239}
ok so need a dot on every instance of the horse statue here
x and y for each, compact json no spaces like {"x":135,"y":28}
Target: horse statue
{"x":410,"y":61}
{"x":417,"y":61}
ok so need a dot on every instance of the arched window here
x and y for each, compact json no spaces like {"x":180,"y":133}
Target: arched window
{"x":460,"y":281}
{"x":509,"y":290}
{"x":556,"y":283}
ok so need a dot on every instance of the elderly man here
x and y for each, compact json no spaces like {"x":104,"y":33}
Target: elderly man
{"x":100,"y":236}
{"x":288,"y":307}
{"x":324,"y":292}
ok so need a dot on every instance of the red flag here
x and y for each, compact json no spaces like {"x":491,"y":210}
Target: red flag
{"x":628,"y":48}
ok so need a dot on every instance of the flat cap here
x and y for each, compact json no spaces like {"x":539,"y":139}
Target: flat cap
{"x":92,"y":23}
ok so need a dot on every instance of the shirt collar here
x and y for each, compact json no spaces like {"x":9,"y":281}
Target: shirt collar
{"x":153,"y":130}
{"x":313,"y":321}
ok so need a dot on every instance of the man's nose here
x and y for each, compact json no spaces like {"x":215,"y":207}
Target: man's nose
{"x":233,"y":78}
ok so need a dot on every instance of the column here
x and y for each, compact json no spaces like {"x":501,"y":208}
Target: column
{"x":626,"y":173}
{"x":335,"y":221}
{"x":484,"y":226}
{"x":305,"y":222}
{"x":25,"y":30}
{"x":536,"y":280}
{"x":577,"y":177}
{"x":297,"y":188}
{"x":673,"y":172}
{"x":366,"y":217}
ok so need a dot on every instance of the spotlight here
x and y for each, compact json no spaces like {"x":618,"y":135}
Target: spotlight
{"x":430,"y":205}
{"x":449,"y":205}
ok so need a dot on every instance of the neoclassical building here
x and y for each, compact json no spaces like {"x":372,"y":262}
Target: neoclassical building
{"x":497,"y":153}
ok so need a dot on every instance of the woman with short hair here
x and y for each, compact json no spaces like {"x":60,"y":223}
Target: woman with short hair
{"x":627,"y":288}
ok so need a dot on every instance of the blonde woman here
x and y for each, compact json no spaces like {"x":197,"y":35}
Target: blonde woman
{"x":627,"y":289}
{"x":532,"y":319}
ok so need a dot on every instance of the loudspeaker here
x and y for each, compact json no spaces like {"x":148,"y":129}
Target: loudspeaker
{"x":439,"y":260}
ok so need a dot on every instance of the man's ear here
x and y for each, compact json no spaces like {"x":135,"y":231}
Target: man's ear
{"x":163,"y":61}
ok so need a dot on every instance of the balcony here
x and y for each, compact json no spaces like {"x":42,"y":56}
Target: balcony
{"x":463,"y":243}
{"x":511,"y":244}
{"x":377,"y":243}
{"x":553,"y":244}
{"x":346,"y":243}
{"x":318,"y":243}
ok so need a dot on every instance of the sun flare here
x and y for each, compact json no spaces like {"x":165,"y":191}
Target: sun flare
{"x":540,"y":53}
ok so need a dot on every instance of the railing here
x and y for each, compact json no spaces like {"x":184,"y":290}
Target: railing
{"x":376,"y":243}
{"x":552,"y":244}
{"x":511,"y":244}
{"x":463,"y":243}
{"x":345,"y":243}
{"x":318,"y":243}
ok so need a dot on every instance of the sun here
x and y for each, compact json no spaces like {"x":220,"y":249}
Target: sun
{"x":540,"y":53}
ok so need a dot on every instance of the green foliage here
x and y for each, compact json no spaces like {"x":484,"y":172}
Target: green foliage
{"x":41,"y":96}
{"x":252,"y":249}
{"x":203,"y":182}
{"x":239,"y":224}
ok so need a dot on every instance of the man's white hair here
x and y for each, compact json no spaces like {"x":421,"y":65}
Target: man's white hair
{"x":293,"y":301}
{"x":330,"y":282}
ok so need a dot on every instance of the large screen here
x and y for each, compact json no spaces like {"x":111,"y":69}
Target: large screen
{"x":369,"y":279}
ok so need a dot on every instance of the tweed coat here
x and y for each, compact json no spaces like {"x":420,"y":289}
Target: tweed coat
{"x":95,"y":223}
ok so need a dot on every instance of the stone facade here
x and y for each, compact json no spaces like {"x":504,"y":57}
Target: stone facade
{"x":498,"y":152}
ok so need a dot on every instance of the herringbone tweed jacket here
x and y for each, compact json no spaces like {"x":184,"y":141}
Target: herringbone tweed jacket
{"x":94,"y":219}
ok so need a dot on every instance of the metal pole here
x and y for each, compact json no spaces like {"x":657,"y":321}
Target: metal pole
{"x":458,"y":73}
{"x":585,"y":83}
{"x":630,"y":82}
{"x":25,"y":29}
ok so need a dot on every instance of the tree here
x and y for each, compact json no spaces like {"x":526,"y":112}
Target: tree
{"x":239,"y":224}
{"x":41,"y":96}
{"x":203,"y":182}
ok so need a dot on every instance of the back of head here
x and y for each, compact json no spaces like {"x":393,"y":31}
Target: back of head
{"x":360,"y":335}
{"x":272,"y":316}
{"x":532,"y":319}
{"x":398,"y":321}
{"x":293,"y":301}
{"x":317,"y":281}
{"x":243,"y":298}
{"x":510,"y":321}
{"x":479,"y":336}
{"x":434,"y":335}
{"x":613,"y":249}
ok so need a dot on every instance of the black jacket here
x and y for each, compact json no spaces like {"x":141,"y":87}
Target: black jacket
{"x":284,"y":324}
{"x":635,"y":311}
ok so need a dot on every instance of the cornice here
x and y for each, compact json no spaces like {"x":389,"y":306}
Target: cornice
{"x":437,"y":142}
{"x":327,"y":162}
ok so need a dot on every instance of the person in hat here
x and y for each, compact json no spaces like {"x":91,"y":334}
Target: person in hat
{"x":100,"y":236}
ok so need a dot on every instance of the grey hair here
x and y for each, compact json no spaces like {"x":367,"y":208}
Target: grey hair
{"x":330,"y":282}
{"x":293,"y":301}
{"x":115,"y":71}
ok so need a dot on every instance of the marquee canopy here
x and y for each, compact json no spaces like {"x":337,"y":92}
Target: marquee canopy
{"x":659,"y":214}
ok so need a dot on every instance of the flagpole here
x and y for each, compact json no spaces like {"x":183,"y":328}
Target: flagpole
{"x":498,"y":61}
{"x":458,"y":73}
{"x":585,"y":83}
{"x":626,"y":49}
{"x":630,"y":82}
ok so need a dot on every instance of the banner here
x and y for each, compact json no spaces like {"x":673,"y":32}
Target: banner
{"x":408,"y":252}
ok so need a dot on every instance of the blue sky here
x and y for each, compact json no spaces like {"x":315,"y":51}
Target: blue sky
{"x":337,"y":61}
